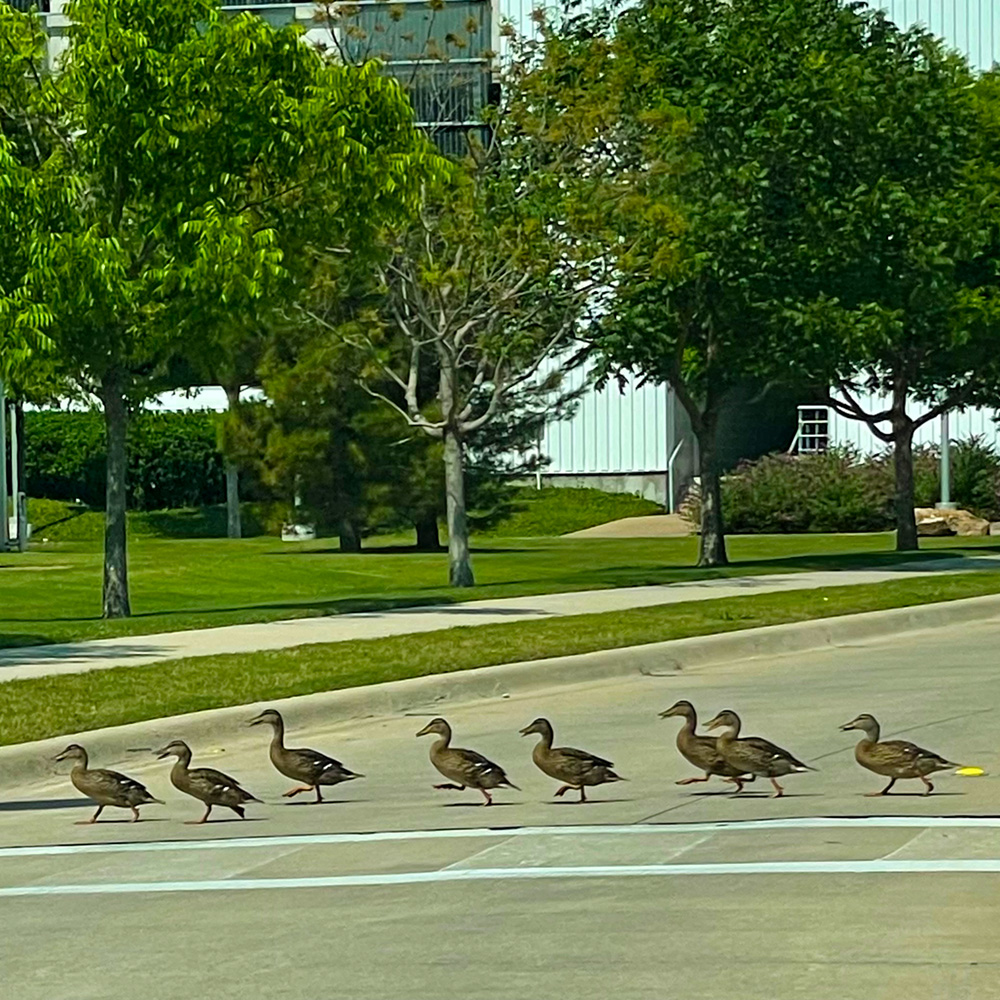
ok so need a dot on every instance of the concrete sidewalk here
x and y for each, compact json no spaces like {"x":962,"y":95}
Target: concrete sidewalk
{"x":37,"y":661}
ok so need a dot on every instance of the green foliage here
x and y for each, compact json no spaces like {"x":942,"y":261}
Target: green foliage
{"x":560,"y":510}
{"x":841,"y":491}
{"x":173,"y":460}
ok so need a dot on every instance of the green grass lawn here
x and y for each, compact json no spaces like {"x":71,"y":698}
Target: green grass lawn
{"x":52,"y":593}
{"x":47,"y":706}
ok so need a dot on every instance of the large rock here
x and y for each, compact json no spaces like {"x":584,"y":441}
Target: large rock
{"x":932,"y":521}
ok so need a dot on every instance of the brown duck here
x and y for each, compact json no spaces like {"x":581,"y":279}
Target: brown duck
{"x":205,"y":783}
{"x":752,"y":754}
{"x":310,"y":767}
{"x":463,"y":768}
{"x":575,"y":768}
{"x":106,"y":788}
{"x":702,"y":751}
{"x":894,"y":759}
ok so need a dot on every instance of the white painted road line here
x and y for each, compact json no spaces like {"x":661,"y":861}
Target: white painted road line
{"x":876,"y":867}
{"x":651,"y":829}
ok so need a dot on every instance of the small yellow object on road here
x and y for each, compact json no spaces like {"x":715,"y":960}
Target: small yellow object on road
{"x":970,"y":772}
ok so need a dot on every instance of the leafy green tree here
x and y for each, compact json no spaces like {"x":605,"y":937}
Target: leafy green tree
{"x":741,"y":157}
{"x":189,"y":152}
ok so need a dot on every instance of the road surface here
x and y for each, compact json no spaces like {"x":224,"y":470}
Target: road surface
{"x":652,"y":890}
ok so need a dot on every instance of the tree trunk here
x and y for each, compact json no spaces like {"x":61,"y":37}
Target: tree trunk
{"x":234,"y":526}
{"x":350,"y":537}
{"x":428,"y":537}
{"x":712,"y":542}
{"x":459,"y":559}
{"x":115,"y":599}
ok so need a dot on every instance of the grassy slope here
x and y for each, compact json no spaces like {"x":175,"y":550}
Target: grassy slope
{"x":48,"y":706}
{"x":52,"y":594}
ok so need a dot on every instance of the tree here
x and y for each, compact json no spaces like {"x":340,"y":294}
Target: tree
{"x":907,"y":310}
{"x":478,"y":296}
{"x":722,"y":142}
{"x":189,"y":149}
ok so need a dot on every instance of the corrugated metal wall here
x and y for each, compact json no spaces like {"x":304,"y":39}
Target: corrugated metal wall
{"x":610,"y":431}
{"x":971,"y":26}
{"x":855,"y":433}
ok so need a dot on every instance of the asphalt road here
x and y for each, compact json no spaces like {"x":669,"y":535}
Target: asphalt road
{"x":651,"y":890}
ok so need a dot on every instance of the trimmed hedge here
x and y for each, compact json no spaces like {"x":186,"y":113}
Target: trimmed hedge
{"x":173,"y":459}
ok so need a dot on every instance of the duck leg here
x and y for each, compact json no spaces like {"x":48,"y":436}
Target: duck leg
{"x":487,"y":796}
{"x":240,"y":811}
{"x":93,"y":819}
{"x":738,"y":782}
{"x":563,"y":790}
{"x":449,"y":787}
{"x":204,"y":819}
{"x":779,"y":791}
{"x":885,"y":791}
{"x":292,"y":792}
{"x":319,"y":794}
{"x":930,"y":787}
{"x":693,"y":781}
{"x":135,"y":815}
{"x":583,"y":794}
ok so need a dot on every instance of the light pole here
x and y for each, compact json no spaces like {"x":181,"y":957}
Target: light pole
{"x":3,"y":470}
{"x":945,"y":503}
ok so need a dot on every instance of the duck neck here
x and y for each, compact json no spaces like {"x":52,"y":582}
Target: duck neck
{"x":80,"y":764}
{"x":183,"y":761}
{"x":871,"y":731}
{"x":546,"y":734}
{"x":729,"y":734}
{"x":690,"y":723}
{"x":441,"y":743}
{"x":278,"y":734}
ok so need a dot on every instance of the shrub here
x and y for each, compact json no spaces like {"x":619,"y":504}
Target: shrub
{"x":559,"y":510}
{"x":841,"y":490}
{"x":173,"y":460}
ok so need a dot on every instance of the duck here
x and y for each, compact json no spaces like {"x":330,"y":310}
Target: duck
{"x":204,"y":783}
{"x":702,"y":751}
{"x":463,"y":768}
{"x":575,"y":768}
{"x":894,"y":759}
{"x":310,"y":767}
{"x":753,"y":754}
{"x":106,"y":788}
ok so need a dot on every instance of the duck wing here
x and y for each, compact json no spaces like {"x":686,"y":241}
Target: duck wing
{"x":581,"y":756}
{"x":765,"y":752}
{"x":904,"y":752}
{"x":479,"y":771}
{"x":212,"y":782}
{"x":318,"y":766}
{"x":112,"y":784}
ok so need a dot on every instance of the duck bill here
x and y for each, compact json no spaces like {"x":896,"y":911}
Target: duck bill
{"x":59,"y":756}
{"x":256,"y":720}
{"x":427,"y":729}
{"x":846,"y":726}
{"x":527,"y":731}
{"x":666,"y":713}
{"x":160,"y":754}
{"x":714,"y":724}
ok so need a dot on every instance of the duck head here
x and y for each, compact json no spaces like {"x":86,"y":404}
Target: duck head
{"x":865,"y":722}
{"x":73,"y":752}
{"x":682,"y":707}
{"x":175,"y":748}
{"x":269,"y":717}
{"x":726,"y":719}
{"x":541,"y":726}
{"x":436,"y":726}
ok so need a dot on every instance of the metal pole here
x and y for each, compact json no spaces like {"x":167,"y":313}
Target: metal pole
{"x":670,"y":476}
{"x":17,"y":498}
{"x":3,"y":469}
{"x":945,"y":503}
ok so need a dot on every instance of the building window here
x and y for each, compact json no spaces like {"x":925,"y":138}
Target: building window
{"x":813,"y":434}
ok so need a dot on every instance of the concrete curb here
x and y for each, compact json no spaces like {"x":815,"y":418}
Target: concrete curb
{"x":27,"y":763}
